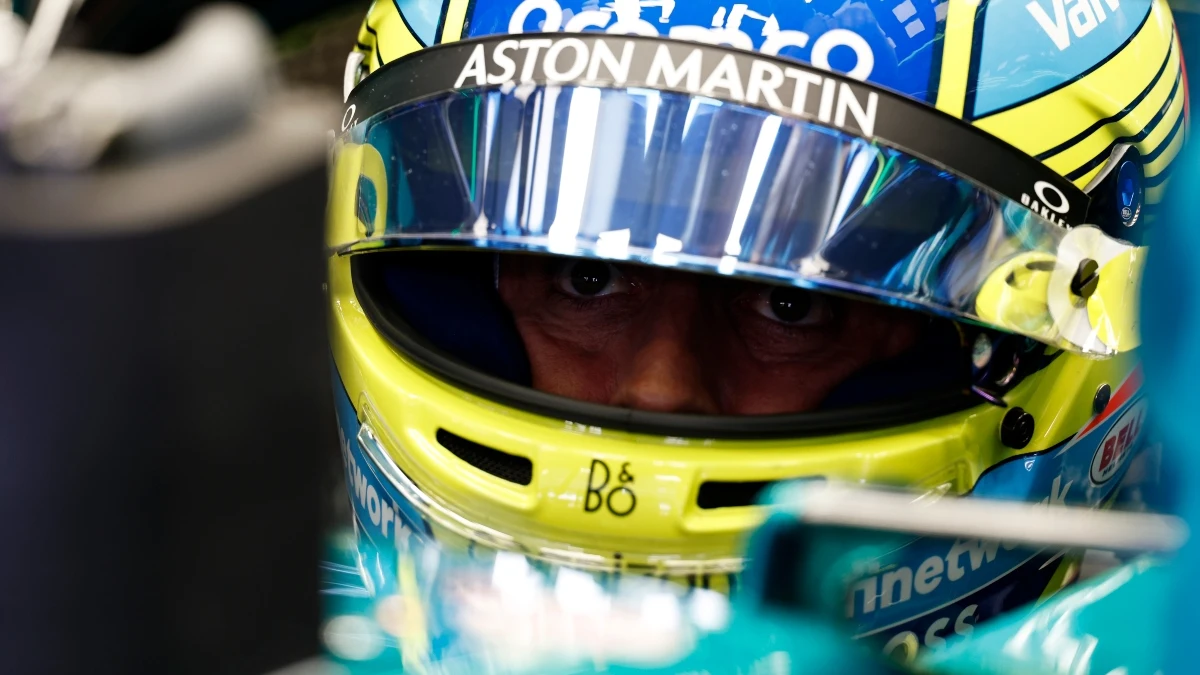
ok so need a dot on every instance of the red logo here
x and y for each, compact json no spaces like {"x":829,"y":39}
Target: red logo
{"x":1118,"y":442}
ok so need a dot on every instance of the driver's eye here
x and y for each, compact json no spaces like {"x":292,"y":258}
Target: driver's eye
{"x":591,"y":279}
{"x":792,"y":306}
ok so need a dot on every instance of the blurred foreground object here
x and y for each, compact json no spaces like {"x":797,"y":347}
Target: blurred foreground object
{"x":456,"y":615}
{"x":1081,"y":629}
{"x":67,"y":112}
{"x":451,"y":613}
{"x":163,"y":360}
{"x":1171,"y":319}
{"x":12,"y":34}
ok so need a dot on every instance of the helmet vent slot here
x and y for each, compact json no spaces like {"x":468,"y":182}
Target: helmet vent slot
{"x":512,"y":468}
{"x":722,"y":494}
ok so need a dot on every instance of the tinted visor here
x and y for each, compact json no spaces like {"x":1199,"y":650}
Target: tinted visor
{"x":700,"y":184}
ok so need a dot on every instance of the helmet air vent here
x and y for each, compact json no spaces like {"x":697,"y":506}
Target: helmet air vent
{"x":512,"y":468}
{"x":723,"y":494}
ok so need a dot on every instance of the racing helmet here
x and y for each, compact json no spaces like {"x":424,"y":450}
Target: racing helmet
{"x":600,"y":273}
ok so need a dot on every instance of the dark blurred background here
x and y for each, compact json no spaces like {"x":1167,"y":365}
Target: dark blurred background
{"x":168,"y":457}
{"x":135,"y":26}
{"x":314,"y":35}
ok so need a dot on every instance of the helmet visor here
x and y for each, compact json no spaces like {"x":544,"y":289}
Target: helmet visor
{"x":711,"y":159}
{"x":696,"y":183}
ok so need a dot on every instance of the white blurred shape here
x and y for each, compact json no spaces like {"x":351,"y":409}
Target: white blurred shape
{"x":353,"y":638}
{"x":661,"y":611}
{"x":578,"y":593}
{"x":664,"y":246}
{"x":12,"y":34}
{"x":709,"y":610}
{"x":509,"y":569}
{"x":350,"y":73}
{"x":48,"y":21}
{"x":516,"y":582}
{"x":728,"y":264}
{"x":652,"y":102}
{"x":214,"y":72}
{"x":754,"y":174}
{"x":613,"y":244}
{"x":573,"y":180}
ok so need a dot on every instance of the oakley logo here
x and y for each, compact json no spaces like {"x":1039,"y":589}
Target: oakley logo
{"x":349,"y":119}
{"x":1083,"y":17}
{"x":1048,"y":203}
{"x":737,"y":78}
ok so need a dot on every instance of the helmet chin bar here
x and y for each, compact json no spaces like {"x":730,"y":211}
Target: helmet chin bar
{"x":563,"y":554}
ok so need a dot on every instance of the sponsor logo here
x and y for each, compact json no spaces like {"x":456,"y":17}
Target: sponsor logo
{"x":376,"y":509}
{"x":1058,"y":492}
{"x":736,"y":26}
{"x":1079,"y":19}
{"x":1058,"y":40}
{"x":1049,"y":202}
{"x":976,"y":562}
{"x":933,"y":629}
{"x":738,"y":78}
{"x":905,"y":645}
{"x":1115,"y":448}
{"x":902,"y":583}
{"x":620,"y":499}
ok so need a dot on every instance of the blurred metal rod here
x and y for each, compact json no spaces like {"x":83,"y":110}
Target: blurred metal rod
{"x":47,"y":25}
{"x":12,"y":35}
{"x":205,"y":81}
{"x":1035,"y":525}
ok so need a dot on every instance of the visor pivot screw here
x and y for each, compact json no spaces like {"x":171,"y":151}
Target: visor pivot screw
{"x":1100,"y":401}
{"x":1084,"y":283}
{"x":1016,"y":431}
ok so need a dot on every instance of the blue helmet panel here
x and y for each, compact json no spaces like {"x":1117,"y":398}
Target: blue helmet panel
{"x":1031,"y":47}
{"x":891,"y":43}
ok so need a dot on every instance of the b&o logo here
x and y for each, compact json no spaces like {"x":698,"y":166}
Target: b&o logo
{"x":619,"y":499}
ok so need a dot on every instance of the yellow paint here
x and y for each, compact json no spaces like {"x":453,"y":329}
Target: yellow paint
{"x":1087,"y":177}
{"x":1160,"y":136}
{"x":1014,"y":295}
{"x":956,"y":56}
{"x":456,"y":18}
{"x":1132,"y":123}
{"x":351,"y":163}
{"x":391,"y":38}
{"x":1113,"y":307}
{"x":1045,"y":122}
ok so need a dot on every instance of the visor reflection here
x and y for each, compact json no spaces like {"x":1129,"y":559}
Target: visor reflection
{"x":684,"y":181}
